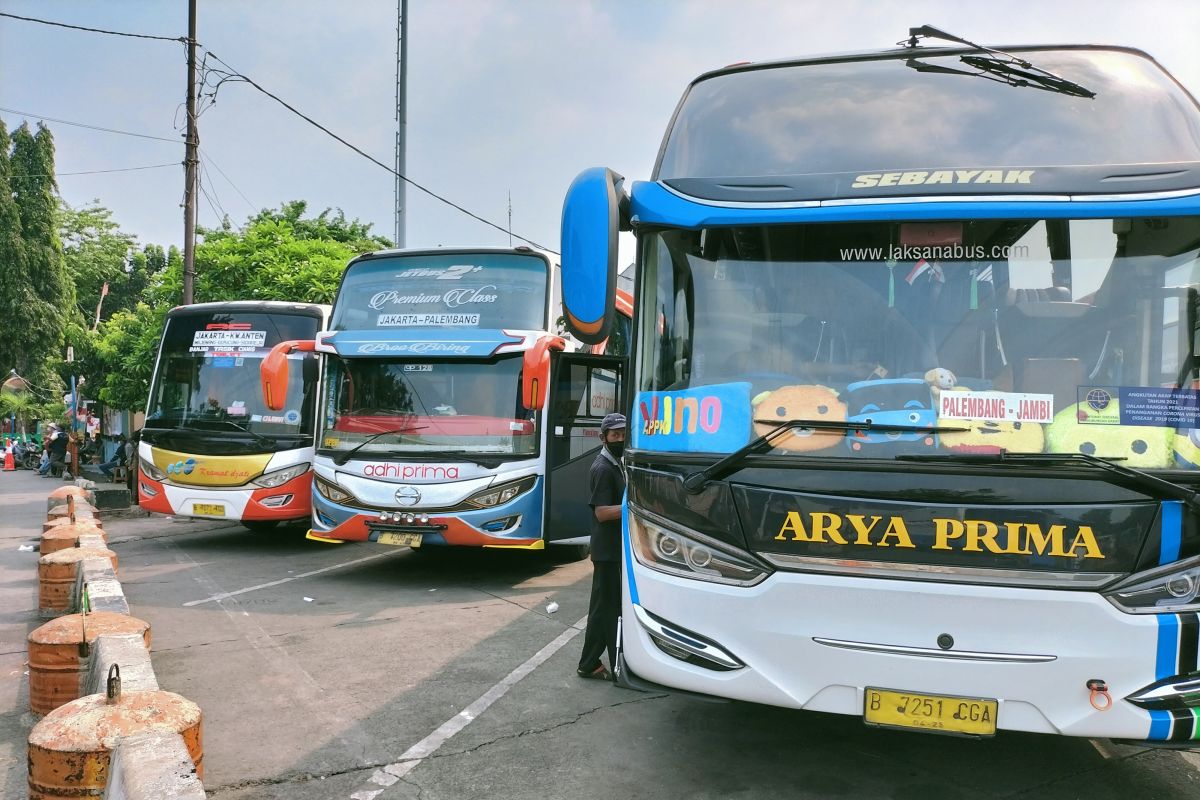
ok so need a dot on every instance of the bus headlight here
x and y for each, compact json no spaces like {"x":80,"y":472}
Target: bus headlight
{"x":667,"y":550}
{"x":152,"y":472}
{"x":498,"y":495}
{"x":280,"y":476}
{"x":332,"y":492}
{"x":1166,"y":590}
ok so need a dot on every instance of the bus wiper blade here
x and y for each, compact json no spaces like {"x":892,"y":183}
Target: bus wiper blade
{"x":340,"y":460}
{"x":244,"y":429}
{"x":694,"y":482}
{"x":1136,"y":477}
{"x":1023,"y":73}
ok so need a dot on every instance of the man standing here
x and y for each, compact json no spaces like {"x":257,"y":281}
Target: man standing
{"x":608,"y":488}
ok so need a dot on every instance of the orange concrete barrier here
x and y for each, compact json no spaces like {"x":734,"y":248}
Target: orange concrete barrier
{"x":59,"y":654}
{"x":77,"y":509}
{"x":70,"y":749}
{"x":60,"y":537}
{"x":68,"y":491}
{"x":57,"y":521}
{"x":56,"y":576}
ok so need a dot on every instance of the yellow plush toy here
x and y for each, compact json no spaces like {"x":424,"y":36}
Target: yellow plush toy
{"x":991,"y":437}
{"x":801,"y":402}
{"x":1141,"y":447}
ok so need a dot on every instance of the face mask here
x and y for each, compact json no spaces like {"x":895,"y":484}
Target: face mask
{"x":616,"y":448}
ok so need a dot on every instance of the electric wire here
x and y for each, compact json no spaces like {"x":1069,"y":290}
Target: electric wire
{"x":232,"y":74}
{"x":44,"y":118}
{"x":95,"y":30}
{"x":205,"y":156}
{"x":98,"y":171}
{"x":205,"y":184}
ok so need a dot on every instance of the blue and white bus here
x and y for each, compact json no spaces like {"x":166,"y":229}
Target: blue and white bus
{"x":451,"y":413}
{"x":915,"y":390}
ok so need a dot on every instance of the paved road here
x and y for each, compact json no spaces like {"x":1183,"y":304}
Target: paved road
{"x":344,"y":672}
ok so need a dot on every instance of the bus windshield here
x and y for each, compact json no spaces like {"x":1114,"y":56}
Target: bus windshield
{"x":208,"y":374}
{"x":434,"y":408}
{"x":455,"y":290}
{"x":1019,"y":336}
{"x":919,"y":112}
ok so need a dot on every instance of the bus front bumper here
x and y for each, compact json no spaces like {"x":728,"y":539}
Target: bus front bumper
{"x":817,"y":642}
{"x":289,"y":501}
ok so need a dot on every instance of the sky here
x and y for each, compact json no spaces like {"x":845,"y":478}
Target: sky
{"x":504,"y":96}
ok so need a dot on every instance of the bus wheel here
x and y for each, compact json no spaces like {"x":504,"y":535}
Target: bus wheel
{"x":260,"y":525}
{"x":567,"y":553}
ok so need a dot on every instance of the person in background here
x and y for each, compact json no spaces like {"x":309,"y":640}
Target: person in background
{"x":131,"y":473}
{"x":120,"y":458}
{"x":608,"y":489}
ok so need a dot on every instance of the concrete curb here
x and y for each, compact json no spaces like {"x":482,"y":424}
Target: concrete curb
{"x":149,"y":766}
{"x":152,"y":765}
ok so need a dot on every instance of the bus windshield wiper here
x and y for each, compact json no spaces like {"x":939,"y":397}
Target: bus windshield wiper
{"x":694,"y":482}
{"x":996,"y":65}
{"x":1139,"y":478}
{"x":341,"y":459}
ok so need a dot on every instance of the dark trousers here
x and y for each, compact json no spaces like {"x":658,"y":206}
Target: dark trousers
{"x":603,"y":610}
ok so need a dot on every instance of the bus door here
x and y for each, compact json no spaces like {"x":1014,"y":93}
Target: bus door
{"x":584,"y":388}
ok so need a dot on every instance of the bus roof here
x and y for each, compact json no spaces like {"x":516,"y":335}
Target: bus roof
{"x":252,"y":306}
{"x":934,"y":121}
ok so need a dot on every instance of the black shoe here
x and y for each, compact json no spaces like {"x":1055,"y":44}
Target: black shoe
{"x":600,"y":673}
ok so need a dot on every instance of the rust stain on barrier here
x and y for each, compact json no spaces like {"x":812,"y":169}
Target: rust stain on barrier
{"x":57,"y":667}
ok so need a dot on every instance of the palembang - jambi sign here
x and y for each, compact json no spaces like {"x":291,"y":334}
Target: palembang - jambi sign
{"x":996,"y":406}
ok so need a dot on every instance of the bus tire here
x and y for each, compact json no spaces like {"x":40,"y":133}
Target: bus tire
{"x":568,"y":553}
{"x":260,"y":525}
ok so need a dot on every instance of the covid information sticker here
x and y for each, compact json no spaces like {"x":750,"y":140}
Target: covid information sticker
{"x":1144,"y":406}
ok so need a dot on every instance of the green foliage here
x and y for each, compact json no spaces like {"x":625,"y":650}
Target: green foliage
{"x":27,"y":408}
{"x":278,"y":255}
{"x":96,"y":252}
{"x":48,"y":294}
{"x":126,"y":349}
{"x":15,"y":290}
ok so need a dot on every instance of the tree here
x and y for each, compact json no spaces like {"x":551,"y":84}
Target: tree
{"x":126,"y":351}
{"x":44,"y":313}
{"x":15,"y":290}
{"x":278,"y":255}
{"x":97,"y":252}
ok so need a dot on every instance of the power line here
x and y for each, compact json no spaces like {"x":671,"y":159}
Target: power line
{"x":44,"y":118}
{"x":204,"y":155}
{"x":95,"y":30}
{"x":233,"y":74}
{"x":213,"y":199}
{"x":97,"y":171}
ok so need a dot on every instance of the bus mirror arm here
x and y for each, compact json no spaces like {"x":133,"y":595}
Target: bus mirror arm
{"x":273,"y":372}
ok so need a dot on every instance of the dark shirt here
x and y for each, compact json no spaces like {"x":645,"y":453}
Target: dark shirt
{"x":608,"y":488}
{"x":58,"y":447}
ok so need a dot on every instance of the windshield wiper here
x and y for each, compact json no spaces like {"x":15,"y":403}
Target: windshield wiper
{"x":997,"y":65}
{"x":694,"y":482}
{"x":1139,"y":478}
{"x":202,"y":431}
{"x":341,"y":459}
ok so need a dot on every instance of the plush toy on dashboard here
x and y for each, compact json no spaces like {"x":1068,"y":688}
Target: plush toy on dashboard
{"x":899,"y":401}
{"x":1141,"y":447}
{"x":1187,"y":448}
{"x":987,"y":436}
{"x":940,"y":380}
{"x":800,"y":402}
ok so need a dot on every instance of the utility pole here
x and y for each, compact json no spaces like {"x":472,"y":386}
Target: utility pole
{"x":510,"y":217}
{"x":401,"y":117}
{"x":191,"y":172}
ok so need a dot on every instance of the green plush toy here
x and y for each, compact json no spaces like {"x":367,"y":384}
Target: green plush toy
{"x":1141,"y":447}
{"x":1187,"y":448}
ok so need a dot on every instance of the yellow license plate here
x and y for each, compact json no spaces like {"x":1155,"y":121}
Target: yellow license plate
{"x":410,"y":539}
{"x":930,"y":712}
{"x":209,"y":509}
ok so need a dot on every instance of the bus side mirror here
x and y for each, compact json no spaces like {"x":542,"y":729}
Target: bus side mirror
{"x":273,"y":372}
{"x":535,"y":376}
{"x":592,"y":215}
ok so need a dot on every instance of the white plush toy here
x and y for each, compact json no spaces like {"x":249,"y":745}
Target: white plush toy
{"x":940,"y":379}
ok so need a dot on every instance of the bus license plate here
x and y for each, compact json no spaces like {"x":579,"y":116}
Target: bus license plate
{"x":410,"y":539}
{"x":930,"y":712}
{"x":208,"y":509}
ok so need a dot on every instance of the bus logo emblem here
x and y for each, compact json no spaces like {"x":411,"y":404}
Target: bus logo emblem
{"x":408,"y":495}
